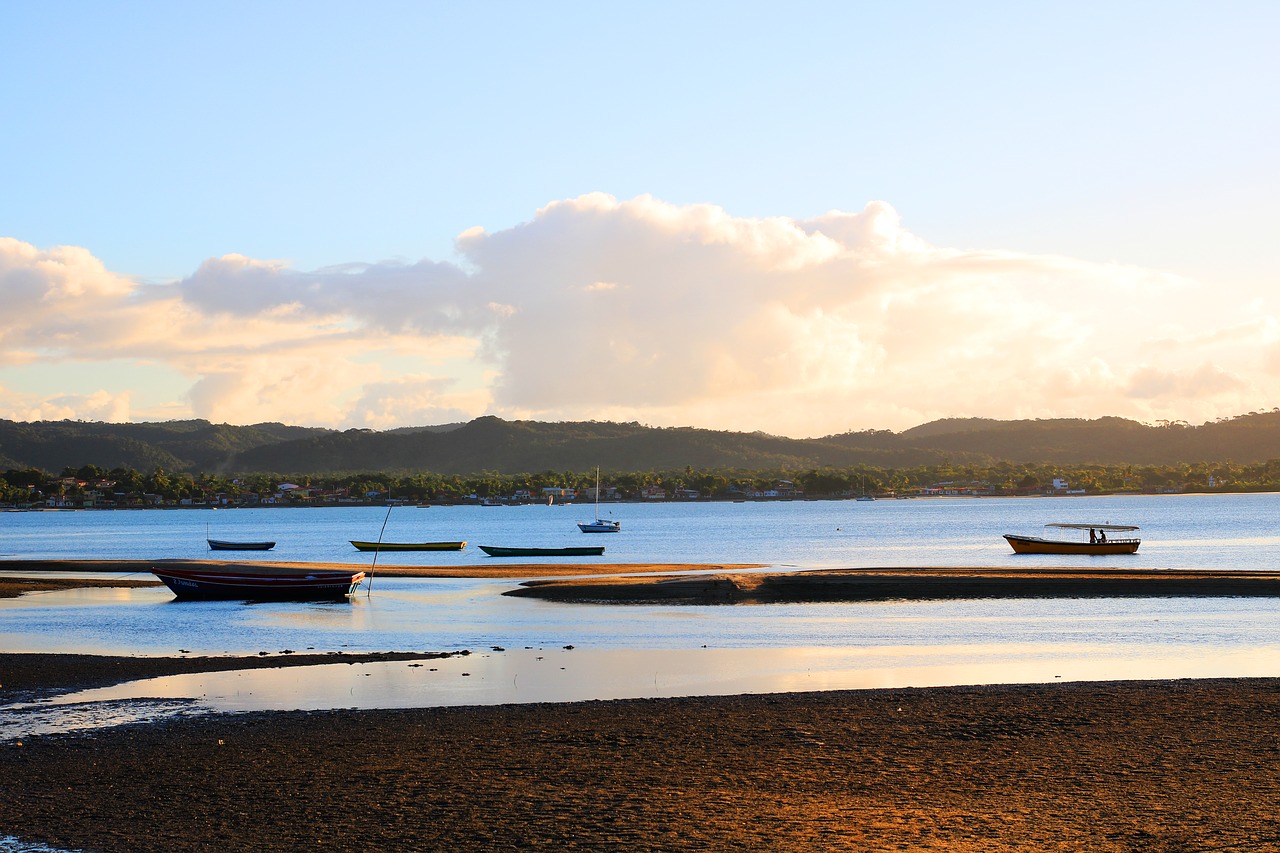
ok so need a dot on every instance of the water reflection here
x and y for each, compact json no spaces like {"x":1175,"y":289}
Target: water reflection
{"x":9,"y":844}
{"x":447,"y":615}
{"x":628,"y":651}
{"x":578,"y":674}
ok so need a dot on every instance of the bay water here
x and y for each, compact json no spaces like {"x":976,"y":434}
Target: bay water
{"x":526,"y":650}
{"x":1226,"y":531}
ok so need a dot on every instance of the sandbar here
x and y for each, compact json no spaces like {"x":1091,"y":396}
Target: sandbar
{"x":34,"y":575}
{"x":722,"y":583}
{"x":894,"y":584}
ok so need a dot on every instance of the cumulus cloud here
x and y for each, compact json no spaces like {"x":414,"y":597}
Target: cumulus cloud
{"x":413,"y":400}
{"x":667,"y":314}
{"x":422,"y":298}
{"x":98,"y":406}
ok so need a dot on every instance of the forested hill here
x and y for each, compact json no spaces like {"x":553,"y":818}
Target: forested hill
{"x":191,"y":446}
{"x":511,"y":447}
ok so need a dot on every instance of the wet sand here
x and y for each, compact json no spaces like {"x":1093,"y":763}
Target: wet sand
{"x":888,"y":584}
{"x":135,"y":573}
{"x":1127,"y":766}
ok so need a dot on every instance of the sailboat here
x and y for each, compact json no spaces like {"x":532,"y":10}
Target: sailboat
{"x":865,"y":496}
{"x":600,"y":525}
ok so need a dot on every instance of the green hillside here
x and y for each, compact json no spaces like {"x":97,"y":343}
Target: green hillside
{"x":490,"y":444}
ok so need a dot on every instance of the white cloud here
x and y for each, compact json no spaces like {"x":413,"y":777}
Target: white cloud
{"x":1205,"y":381}
{"x":97,"y":406}
{"x":414,"y":400}
{"x":665,"y":314}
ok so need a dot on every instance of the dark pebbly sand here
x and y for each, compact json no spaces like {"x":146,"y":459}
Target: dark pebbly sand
{"x":1159,"y":766}
{"x":1188,"y":765}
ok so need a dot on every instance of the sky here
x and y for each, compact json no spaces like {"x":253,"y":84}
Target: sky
{"x":803,"y":219}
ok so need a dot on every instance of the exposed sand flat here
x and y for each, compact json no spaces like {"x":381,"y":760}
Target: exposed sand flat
{"x":27,"y":674}
{"x":12,"y":587}
{"x":903,"y":584}
{"x":130,"y":573}
{"x":1127,"y":766}
{"x":498,"y":569}
{"x":721,"y":584}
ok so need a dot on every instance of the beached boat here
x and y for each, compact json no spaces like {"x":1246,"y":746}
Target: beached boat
{"x":408,"y":546}
{"x":584,"y":551}
{"x":224,"y":545}
{"x":600,"y":525}
{"x":254,"y":584}
{"x":1097,"y":543}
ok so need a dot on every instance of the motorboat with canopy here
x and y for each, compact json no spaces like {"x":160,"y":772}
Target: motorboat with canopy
{"x":1092,"y":539}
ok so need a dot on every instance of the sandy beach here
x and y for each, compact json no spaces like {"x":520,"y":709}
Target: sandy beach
{"x":1124,"y":766}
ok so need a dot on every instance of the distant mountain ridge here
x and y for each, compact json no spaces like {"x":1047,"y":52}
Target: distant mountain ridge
{"x":490,"y":444}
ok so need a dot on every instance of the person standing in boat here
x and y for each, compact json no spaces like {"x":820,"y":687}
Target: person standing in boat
{"x":1093,"y":537}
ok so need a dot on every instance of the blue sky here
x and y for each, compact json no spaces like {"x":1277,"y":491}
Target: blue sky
{"x":280,"y":167}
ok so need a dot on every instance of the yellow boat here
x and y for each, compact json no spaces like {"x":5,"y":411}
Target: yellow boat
{"x":1098,"y":543}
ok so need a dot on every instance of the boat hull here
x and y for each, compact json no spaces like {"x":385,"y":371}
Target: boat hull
{"x":220,"y":585}
{"x":224,"y":545}
{"x":408,"y":546}
{"x":1038,"y":545}
{"x":599,"y":526}
{"x":583,"y":551}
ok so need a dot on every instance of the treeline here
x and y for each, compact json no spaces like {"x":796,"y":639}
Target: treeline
{"x":124,"y":487}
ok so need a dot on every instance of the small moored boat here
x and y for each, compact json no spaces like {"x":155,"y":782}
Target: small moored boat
{"x":1098,"y":542}
{"x":224,"y":545}
{"x":232,"y":584}
{"x":408,"y":546}
{"x":583,"y":551}
{"x":600,"y":525}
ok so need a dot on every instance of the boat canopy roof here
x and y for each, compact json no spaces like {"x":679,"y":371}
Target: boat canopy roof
{"x":1095,"y":526}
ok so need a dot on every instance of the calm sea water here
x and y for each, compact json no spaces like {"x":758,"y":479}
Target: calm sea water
{"x":1192,"y":531}
{"x":519,"y":645}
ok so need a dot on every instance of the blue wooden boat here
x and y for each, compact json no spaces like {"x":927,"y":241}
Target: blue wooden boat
{"x":580,"y":551}
{"x":230,"y":584}
{"x":224,"y":545}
